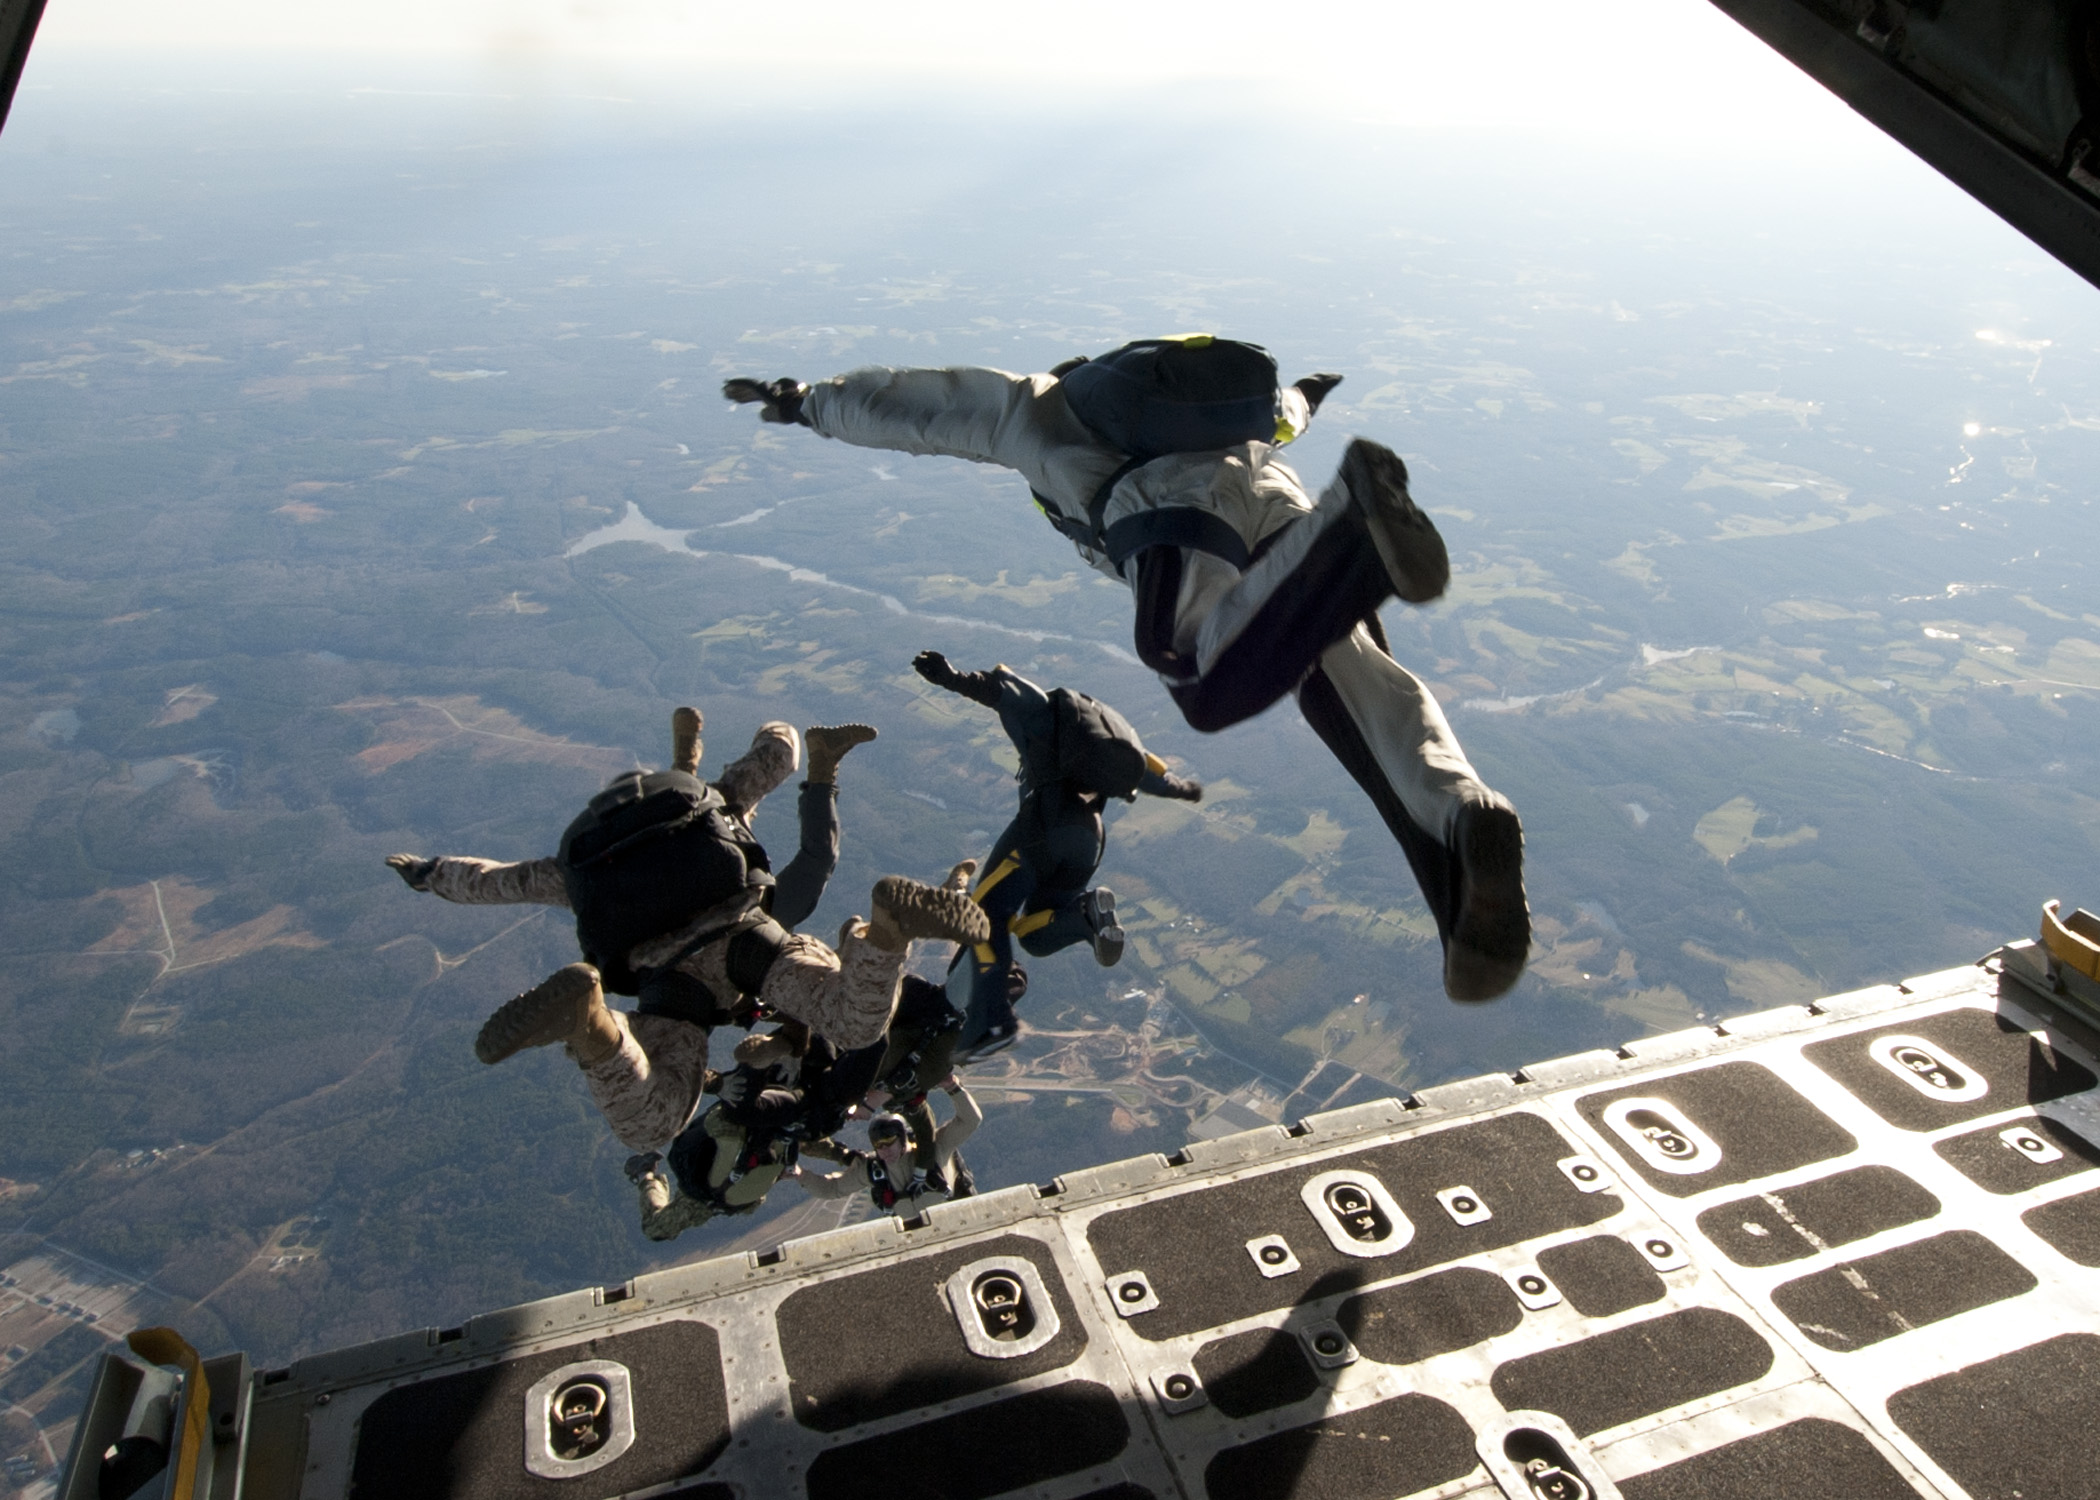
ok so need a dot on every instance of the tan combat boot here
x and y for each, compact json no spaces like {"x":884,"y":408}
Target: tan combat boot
{"x":685,"y":740}
{"x":905,"y":909}
{"x":567,"y":1006}
{"x":828,"y":745}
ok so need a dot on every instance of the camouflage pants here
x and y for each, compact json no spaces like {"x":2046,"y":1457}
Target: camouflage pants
{"x":776,"y":750}
{"x":649,"y":1086}
{"x":491,"y":882}
{"x":847,"y":997}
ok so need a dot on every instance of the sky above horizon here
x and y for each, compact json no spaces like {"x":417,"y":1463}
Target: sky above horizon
{"x":1670,"y":72}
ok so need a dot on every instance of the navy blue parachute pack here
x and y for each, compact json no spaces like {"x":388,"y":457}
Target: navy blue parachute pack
{"x":649,"y":854}
{"x":1154,"y":397}
{"x":1097,"y":750}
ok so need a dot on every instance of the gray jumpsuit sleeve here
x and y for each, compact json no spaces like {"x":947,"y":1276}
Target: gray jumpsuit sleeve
{"x":799,"y":887}
{"x":1018,"y":422}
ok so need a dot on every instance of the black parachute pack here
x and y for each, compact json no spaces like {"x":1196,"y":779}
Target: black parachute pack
{"x":1097,"y":750}
{"x":1191,"y":394}
{"x":649,"y":854}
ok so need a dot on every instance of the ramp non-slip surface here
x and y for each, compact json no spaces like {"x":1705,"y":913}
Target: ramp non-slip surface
{"x":1994,"y":1159}
{"x":1961,"y":1049}
{"x":2017,"y":1427}
{"x":1602,"y":1275}
{"x":462,"y":1436}
{"x":984,"y":1451}
{"x":1811,"y":1457}
{"x":1783,"y":1258}
{"x":2071,"y":1226}
{"x":1793,"y":1223}
{"x":1632,"y":1372}
{"x":1192,"y":1246}
{"x":1404,"y":1324}
{"x":1758,"y":1122}
{"x":1862,"y":1302}
{"x":1255,"y":1371}
{"x":1394,"y":1448}
{"x":885,"y":1341}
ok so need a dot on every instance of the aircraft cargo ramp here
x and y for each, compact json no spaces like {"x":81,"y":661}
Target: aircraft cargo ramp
{"x":1849,"y":1249}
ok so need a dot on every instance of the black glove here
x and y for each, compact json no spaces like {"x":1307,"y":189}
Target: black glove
{"x":413,"y":868}
{"x":978,"y":687}
{"x":1180,"y":788}
{"x":935,"y":668}
{"x":1315,"y":388}
{"x":782,"y":398}
{"x":641,"y":1166}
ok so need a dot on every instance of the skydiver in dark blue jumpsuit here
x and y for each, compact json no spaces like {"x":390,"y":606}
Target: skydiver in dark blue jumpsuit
{"x":1033,"y":885}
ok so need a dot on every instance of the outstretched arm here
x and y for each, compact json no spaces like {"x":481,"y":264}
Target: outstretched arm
{"x":483,"y":882}
{"x":987,"y":416}
{"x":779,"y":400}
{"x":1020,"y":422}
{"x":978,"y":687}
{"x":833,"y":1184}
{"x":1158,"y":781}
{"x":968,"y":1116}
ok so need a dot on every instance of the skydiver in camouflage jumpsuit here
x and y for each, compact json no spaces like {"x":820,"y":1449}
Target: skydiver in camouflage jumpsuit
{"x":646,"y":1070}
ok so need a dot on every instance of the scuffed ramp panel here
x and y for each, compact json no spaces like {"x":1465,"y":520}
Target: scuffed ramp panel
{"x":1853,"y":1251}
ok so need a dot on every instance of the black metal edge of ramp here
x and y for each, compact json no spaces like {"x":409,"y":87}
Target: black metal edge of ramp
{"x":18,"y":23}
{"x":2046,"y":208}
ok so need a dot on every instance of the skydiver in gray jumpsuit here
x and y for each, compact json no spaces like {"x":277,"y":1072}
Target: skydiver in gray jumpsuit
{"x":1248,"y":591}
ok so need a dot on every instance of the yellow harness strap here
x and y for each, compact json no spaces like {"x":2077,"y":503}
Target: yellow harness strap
{"x":1029,"y":922}
{"x":998,"y":872}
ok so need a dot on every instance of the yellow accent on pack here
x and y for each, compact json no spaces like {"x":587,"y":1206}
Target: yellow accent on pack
{"x":164,"y":1346}
{"x":1154,"y":764}
{"x":1191,"y":340}
{"x":2073,"y":941}
{"x":1021,"y":926}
